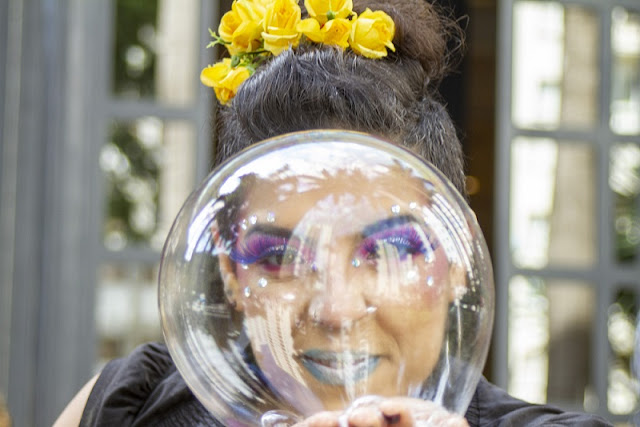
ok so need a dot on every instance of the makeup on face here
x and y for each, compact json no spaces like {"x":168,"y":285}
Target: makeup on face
{"x":339,"y":368}
{"x":276,"y":249}
{"x":315,"y":270}
{"x":379,"y":252}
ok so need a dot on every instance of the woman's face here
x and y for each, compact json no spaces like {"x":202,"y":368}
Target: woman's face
{"x":344,"y":289}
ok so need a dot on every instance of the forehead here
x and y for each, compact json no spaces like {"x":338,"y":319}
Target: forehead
{"x":347,"y":200}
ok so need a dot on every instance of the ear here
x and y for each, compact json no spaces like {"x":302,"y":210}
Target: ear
{"x":457,"y":282}
{"x":230,"y":280}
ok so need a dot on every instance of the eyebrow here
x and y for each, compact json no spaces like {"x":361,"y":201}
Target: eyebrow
{"x":369,"y":230}
{"x":387,"y":223}
{"x":271,"y":230}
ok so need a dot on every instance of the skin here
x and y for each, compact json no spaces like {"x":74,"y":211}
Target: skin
{"x":396,"y":412}
{"x":72,"y":413}
{"x":334,"y":305}
{"x":332,"y":296}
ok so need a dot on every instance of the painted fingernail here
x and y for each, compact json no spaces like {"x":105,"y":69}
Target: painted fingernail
{"x":392,"y":419}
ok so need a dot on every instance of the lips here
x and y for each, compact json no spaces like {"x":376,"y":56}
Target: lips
{"x":339,"y":368}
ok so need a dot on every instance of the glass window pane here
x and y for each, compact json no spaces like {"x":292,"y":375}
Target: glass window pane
{"x":555,"y":65}
{"x":549,"y":340}
{"x":156,"y":50}
{"x":126,"y":309}
{"x":624,"y":181}
{"x":552,"y":218}
{"x":625,"y":71}
{"x":622,"y":397}
{"x":528,"y":339}
{"x":134,"y":49}
{"x":149,"y":170}
{"x":571,"y":328}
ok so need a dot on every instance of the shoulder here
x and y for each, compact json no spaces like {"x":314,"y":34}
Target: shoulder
{"x":492,"y":406}
{"x":143,"y":388}
{"x":72,"y":413}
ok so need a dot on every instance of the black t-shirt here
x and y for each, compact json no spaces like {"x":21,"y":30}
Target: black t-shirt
{"x":145,"y":389}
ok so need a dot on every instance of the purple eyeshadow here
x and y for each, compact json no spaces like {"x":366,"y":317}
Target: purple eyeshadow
{"x":274,"y":249}
{"x":404,"y":237}
{"x":257,"y":247}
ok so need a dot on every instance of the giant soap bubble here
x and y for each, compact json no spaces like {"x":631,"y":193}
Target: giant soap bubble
{"x":319,"y":268}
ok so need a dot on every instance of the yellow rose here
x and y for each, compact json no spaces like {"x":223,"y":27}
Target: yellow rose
{"x":228,"y":24}
{"x":251,"y":10}
{"x":242,"y":26}
{"x":311,"y":28}
{"x":372,"y":33}
{"x":280,"y":26}
{"x":263,"y":4}
{"x":335,"y":32}
{"x":323,"y":10}
{"x":224,"y":79}
{"x":246,"y":38}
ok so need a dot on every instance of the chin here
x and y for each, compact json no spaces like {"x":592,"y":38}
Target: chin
{"x":337,"y":385}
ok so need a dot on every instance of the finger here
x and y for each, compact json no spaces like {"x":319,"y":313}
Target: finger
{"x":400,"y":411}
{"x":443,"y":418}
{"x":321,"y":419}
{"x":366,"y":417}
{"x":408,"y":412}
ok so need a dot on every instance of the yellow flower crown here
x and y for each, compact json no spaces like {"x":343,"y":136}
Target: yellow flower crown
{"x":255,"y":29}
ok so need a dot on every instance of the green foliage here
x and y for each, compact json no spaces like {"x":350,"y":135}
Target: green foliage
{"x":144,"y":166}
{"x":133,"y":17}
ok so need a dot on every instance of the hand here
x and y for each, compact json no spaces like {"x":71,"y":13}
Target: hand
{"x":393,"y":412}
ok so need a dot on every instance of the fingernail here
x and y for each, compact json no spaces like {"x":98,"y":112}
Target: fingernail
{"x":392,"y":419}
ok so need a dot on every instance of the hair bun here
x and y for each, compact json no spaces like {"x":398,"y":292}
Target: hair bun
{"x":423,"y":33}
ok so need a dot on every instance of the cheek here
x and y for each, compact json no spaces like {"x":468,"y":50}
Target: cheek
{"x":422,"y":350}
{"x":435,"y":281}
{"x":417,"y":285}
{"x":261,"y":294}
{"x":418,"y":334}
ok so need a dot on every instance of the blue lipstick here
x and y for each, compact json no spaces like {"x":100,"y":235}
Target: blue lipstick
{"x":339,"y":368}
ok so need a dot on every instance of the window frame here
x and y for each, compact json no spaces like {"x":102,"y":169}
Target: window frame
{"x":58,"y":54}
{"x":605,"y":275}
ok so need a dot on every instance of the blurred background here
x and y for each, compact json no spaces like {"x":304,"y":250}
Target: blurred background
{"x":105,"y":129}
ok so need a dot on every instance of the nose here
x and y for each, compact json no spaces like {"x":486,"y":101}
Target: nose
{"x":338,"y":300}
{"x":337,"y":312}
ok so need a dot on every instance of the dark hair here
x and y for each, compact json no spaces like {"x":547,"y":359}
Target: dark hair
{"x":318,"y":86}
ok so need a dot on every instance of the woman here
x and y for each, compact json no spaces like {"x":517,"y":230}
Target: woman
{"x":343,"y":287}
{"x":390,"y":92}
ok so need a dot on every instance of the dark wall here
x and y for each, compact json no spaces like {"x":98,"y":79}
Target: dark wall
{"x":470,"y":97}
{"x":469,"y":93}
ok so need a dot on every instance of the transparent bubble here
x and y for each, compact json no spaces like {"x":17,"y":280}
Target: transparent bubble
{"x":318,"y":268}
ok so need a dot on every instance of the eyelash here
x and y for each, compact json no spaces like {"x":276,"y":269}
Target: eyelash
{"x":405,"y":239}
{"x":272,"y":252}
